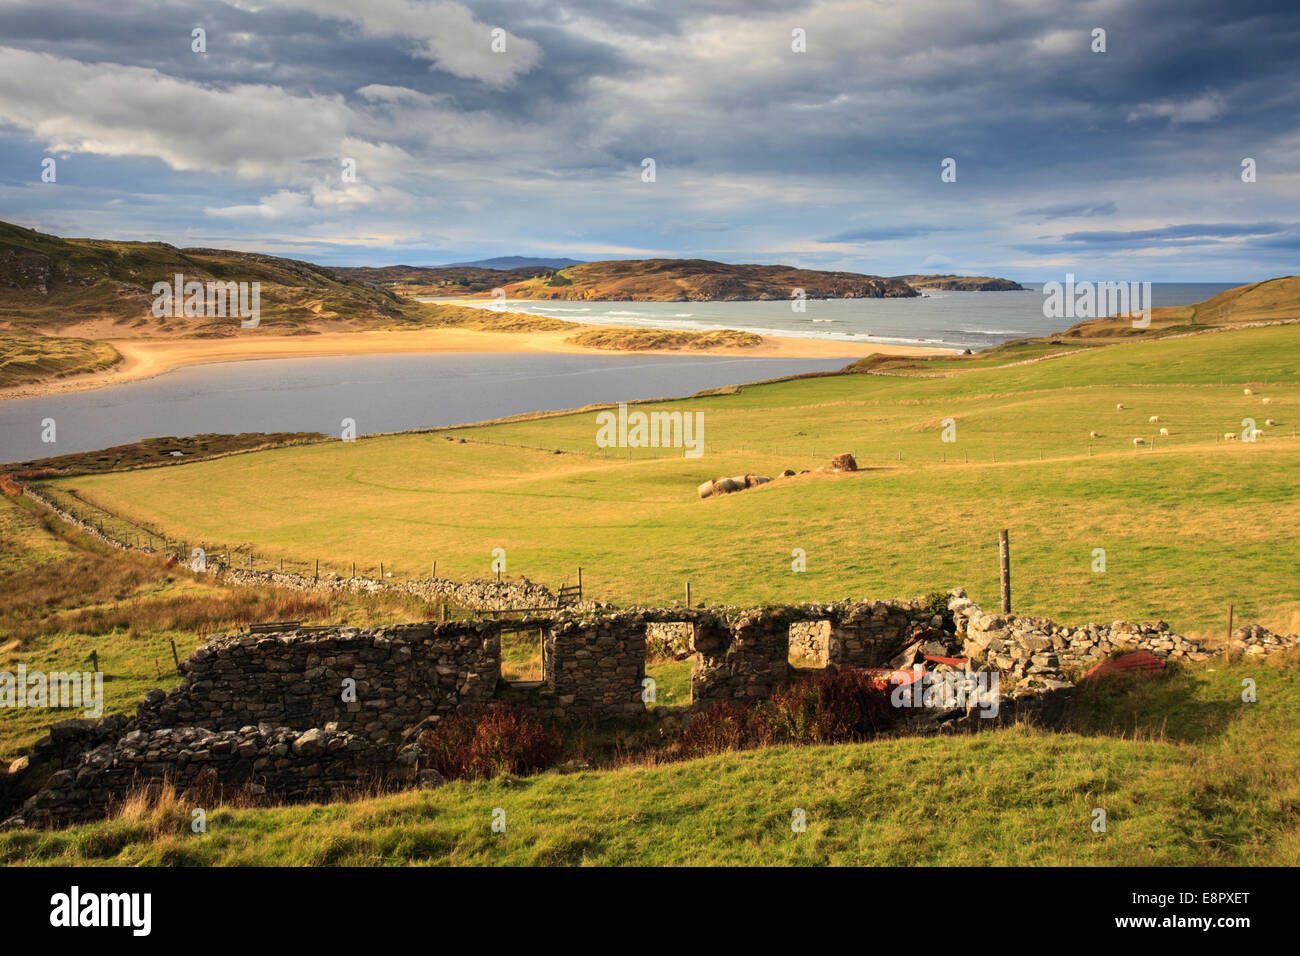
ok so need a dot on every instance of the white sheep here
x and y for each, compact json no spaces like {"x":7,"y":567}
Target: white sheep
{"x":1266,"y":401}
{"x":1094,"y":434}
{"x":1153,"y":419}
{"x":1164,"y":432}
{"x":1120,"y":407}
{"x":1248,"y":391}
{"x":1229,"y":436}
{"x":1270,"y":421}
{"x":1139,"y":441}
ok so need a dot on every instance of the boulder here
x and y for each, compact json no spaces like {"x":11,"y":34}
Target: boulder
{"x":844,"y":462}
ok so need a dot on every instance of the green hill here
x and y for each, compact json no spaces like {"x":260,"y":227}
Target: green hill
{"x":954,"y":283}
{"x":1187,"y":772}
{"x":49,"y":284}
{"x":700,"y":280}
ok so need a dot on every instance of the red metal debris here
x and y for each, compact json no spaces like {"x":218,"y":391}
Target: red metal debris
{"x":1137,"y":661}
{"x":885,"y":677}
{"x":954,"y":661}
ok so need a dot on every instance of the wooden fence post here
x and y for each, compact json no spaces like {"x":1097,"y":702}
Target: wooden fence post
{"x":1229,"y":622}
{"x":688,"y":593}
{"x":579,"y":585}
{"x":1004,"y":553}
{"x":176,"y":657}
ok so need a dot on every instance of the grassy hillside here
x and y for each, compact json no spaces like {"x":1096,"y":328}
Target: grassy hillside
{"x":1273,"y":300}
{"x":63,"y":595}
{"x":439,"y":280}
{"x":699,"y":280}
{"x":32,"y":357}
{"x":48,"y":283}
{"x":1186,"y":773}
{"x":1190,"y":523}
{"x":962,"y":283}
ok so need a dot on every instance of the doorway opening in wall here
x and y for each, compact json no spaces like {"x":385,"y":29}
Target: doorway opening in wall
{"x":810,"y":648}
{"x":522,"y":663}
{"x":669,"y":663}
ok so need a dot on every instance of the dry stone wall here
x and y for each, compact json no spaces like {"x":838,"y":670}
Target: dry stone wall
{"x":317,"y":712}
{"x":375,"y":682}
{"x":1034,"y":645}
{"x":475,"y":595}
{"x":274,"y":763}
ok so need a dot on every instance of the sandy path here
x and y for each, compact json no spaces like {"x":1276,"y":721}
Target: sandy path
{"x":144,"y":358}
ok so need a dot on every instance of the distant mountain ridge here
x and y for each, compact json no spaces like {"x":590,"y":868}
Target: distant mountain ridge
{"x":506,"y":263}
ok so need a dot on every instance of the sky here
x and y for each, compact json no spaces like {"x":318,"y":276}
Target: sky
{"x":376,"y":132}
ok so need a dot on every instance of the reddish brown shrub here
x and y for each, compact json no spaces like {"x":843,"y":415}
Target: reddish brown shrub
{"x":826,"y":708}
{"x":502,"y":740}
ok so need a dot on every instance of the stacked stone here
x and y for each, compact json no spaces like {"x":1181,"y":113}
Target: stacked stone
{"x":476,"y":595}
{"x":296,"y":679}
{"x":868,"y":633}
{"x":1031,"y":645}
{"x":1259,"y":641}
{"x":671,"y":638}
{"x":272,"y":763}
{"x":811,"y":640}
{"x":594,"y":668}
{"x":746,"y":660}
{"x":68,"y":741}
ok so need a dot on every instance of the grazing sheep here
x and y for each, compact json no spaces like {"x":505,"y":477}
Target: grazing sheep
{"x":1229,"y":436}
{"x":1120,"y":407}
{"x":1266,"y":401}
{"x":1139,"y":441}
{"x":1094,"y":434}
{"x":1248,"y":391}
{"x":1165,"y":432}
{"x":1153,"y":419}
{"x":1270,"y":421}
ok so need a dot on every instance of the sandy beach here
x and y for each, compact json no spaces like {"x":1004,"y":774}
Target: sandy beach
{"x":144,"y":358}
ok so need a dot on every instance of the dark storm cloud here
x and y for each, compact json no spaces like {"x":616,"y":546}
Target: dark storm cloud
{"x":786,"y":150}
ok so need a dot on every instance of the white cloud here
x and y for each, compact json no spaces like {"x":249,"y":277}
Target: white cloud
{"x":252,"y":130}
{"x":1201,"y":109}
{"x":445,"y":33}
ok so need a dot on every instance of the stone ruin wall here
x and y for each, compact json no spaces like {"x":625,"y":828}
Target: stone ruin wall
{"x":400,"y":675}
{"x":267,"y":712}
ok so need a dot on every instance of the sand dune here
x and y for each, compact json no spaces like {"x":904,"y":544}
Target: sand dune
{"x":143,"y":358}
